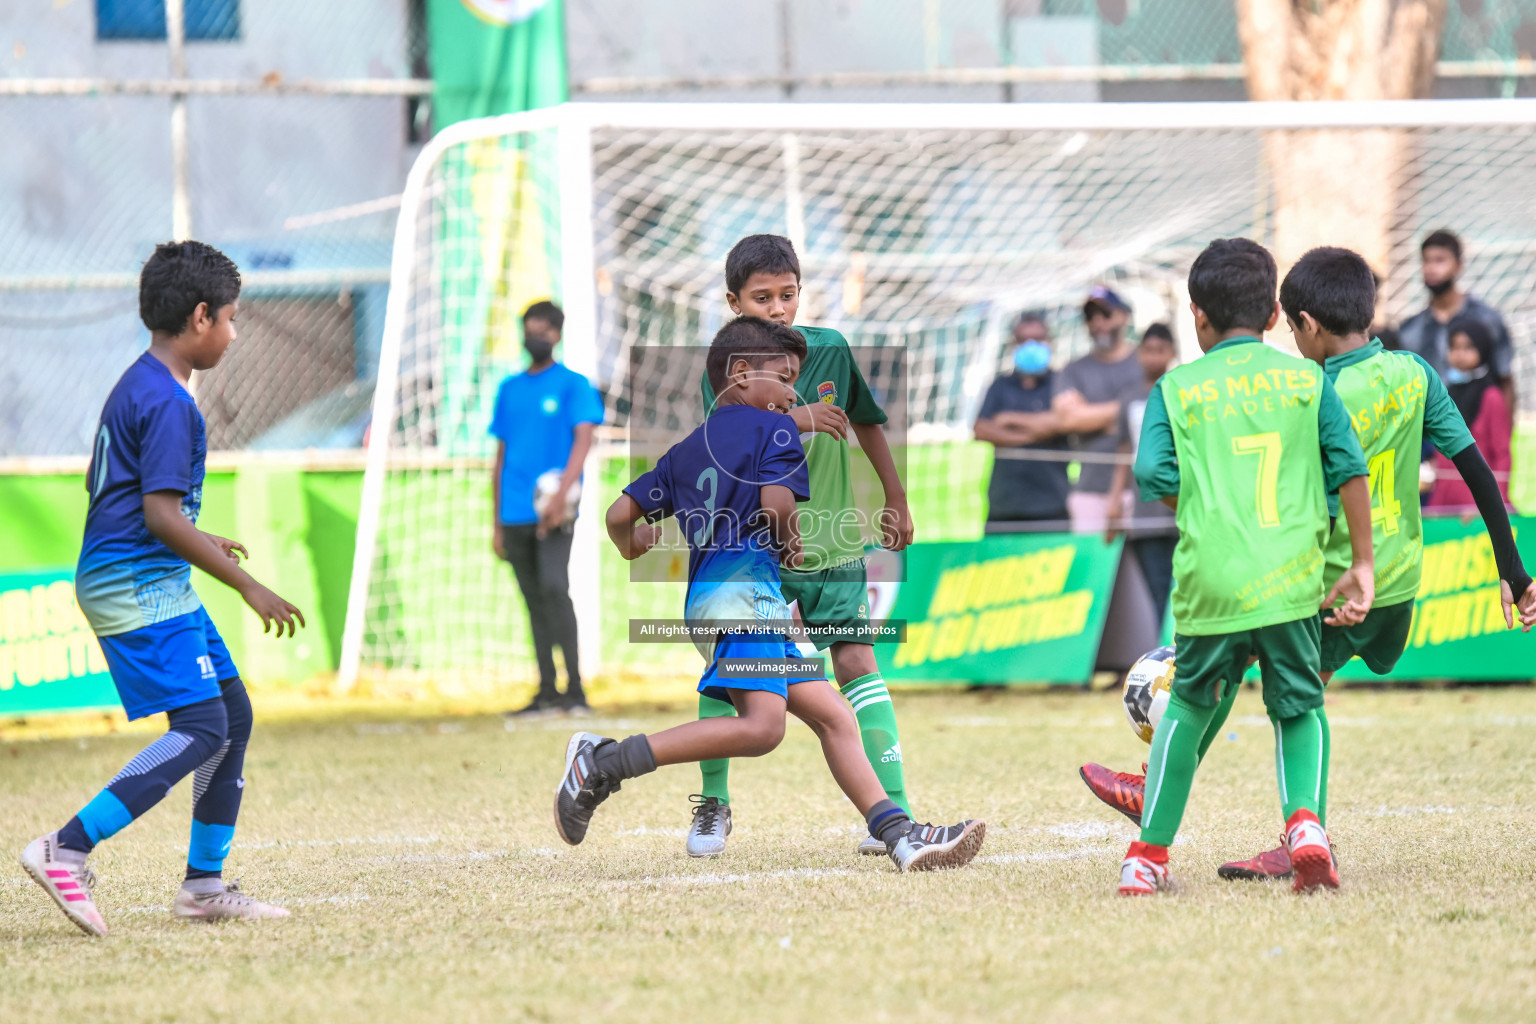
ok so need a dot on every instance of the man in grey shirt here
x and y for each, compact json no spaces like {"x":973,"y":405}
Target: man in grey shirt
{"x":1087,"y":405}
{"x":1426,"y":333}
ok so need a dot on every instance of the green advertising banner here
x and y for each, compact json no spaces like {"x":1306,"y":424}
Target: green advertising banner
{"x":49,"y":658}
{"x":1021,"y":607}
{"x":1458,"y":625}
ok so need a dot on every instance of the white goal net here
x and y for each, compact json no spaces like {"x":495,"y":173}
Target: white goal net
{"x":924,"y":228}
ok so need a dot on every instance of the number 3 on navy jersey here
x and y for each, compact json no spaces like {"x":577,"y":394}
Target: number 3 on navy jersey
{"x":99,"y":457}
{"x":711,"y":477}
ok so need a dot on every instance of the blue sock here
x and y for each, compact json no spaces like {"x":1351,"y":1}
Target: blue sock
{"x":196,"y":732}
{"x":217,"y":787}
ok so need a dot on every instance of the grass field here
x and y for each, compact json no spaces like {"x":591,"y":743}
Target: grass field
{"x":427,"y":883}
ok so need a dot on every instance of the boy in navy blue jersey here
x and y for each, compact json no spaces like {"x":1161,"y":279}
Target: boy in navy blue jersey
{"x":134,"y":584}
{"x":733,"y":484}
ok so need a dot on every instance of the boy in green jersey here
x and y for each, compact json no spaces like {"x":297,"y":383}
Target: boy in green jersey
{"x":1245,"y":443}
{"x":762,"y":277}
{"x":1394,"y":400}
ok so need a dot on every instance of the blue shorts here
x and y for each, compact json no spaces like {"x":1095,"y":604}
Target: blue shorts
{"x":168,"y":665}
{"x":761,"y":647}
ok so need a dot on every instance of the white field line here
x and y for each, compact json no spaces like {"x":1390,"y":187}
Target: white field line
{"x":655,"y":882}
{"x":310,"y":902}
{"x":273,"y":844}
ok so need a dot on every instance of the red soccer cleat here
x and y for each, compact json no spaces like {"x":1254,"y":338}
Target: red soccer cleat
{"x":1311,"y":859}
{"x":1274,"y":863}
{"x":1121,"y":790}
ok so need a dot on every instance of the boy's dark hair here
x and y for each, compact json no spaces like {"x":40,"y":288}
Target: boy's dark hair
{"x":179,"y":276}
{"x":1233,"y":282}
{"x":546,"y":311}
{"x":751,"y":338}
{"x":759,"y":254}
{"x":1442,"y":239}
{"x":1336,"y":286}
{"x":1158,"y":331}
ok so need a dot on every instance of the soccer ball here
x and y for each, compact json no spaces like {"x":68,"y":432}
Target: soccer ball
{"x":544,"y":490}
{"x":1146,"y":690}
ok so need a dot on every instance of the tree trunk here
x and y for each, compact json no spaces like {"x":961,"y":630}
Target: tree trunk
{"x":1338,"y":187}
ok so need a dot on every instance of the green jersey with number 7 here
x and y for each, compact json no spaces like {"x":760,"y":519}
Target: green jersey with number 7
{"x":1259,"y":439}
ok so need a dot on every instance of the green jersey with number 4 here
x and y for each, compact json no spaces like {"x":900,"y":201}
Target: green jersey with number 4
{"x":1394,"y":399}
{"x":830,"y":529}
{"x":1251,"y":440}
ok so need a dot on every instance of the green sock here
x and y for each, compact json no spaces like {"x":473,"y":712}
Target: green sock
{"x":1219,"y":719}
{"x":877,"y":728}
{"x":717,"y":772}
{"x":1322,"y":790}
{"x":1171,"y":769}
{"x":1300,"y":762}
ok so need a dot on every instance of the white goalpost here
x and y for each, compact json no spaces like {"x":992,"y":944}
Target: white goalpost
{"x":924,"y":229}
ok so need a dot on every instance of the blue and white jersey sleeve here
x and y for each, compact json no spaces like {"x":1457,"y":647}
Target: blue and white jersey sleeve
{"x":783,"y":459}
{"x":652,"y":491}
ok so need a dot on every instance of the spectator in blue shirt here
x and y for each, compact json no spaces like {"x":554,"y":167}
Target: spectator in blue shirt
{"x":543,"y":421}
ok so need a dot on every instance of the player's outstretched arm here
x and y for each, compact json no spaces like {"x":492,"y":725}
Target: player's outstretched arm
{"x":1357,"y":586}
{"x":1517,"y":592}
{"x":163,"y":519}
{"x":632,"y":537}
{"x":895,"y":519}
{"x":820,"y":417}
{"x":783,"y":520}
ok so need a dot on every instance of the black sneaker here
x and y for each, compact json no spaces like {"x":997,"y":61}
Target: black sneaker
{"x":932,"y":847}
{"x":581,"y":788}
{"x":540,"y":707}
{"x":576,"y":706}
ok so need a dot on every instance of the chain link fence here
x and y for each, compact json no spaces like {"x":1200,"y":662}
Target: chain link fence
{"x":302,"y":120}
{"x":301,"y":123}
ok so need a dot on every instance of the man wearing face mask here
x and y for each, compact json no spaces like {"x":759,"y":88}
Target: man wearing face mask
{"x":1016,"y":414}
{"x":1427,"y":334}
{"x":1087,"y":405}
{"x":543,"y":421}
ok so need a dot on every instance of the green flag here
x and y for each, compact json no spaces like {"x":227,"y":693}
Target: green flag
{"x":500,"y":233}
{"x":495,"y":57}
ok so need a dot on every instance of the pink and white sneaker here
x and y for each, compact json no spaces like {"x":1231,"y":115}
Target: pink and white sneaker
{"x":228,"y":904}
{"x":68,"y":882}
{"x":1142,"y":872}
{"x":1311,"y":859}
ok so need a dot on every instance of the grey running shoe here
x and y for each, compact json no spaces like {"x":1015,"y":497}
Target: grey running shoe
{"x":229,"y":904}
{"x":711,"y":824}
{"x":933,"y":847}
{"x":67,"y":880}
{"x":581,"y":788}
{"x":869,"y":846}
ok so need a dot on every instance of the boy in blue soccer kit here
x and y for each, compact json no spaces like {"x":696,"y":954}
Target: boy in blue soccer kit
{"x":134,"y":584}
{"x":733,"y":484}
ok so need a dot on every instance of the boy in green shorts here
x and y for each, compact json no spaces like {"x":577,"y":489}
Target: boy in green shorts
{"x":1394,"y":399}
{"x":762,"y":277}
{"x":1232,"y":442}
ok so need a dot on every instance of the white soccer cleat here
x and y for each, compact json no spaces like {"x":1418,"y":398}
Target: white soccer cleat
{"x":711,"y":824}
{"x":869,"y":846}
{"x":936,"y":847}
{"x":1140,"y":876}
{"x":229,"y":904}
{"x":68,"y":883}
